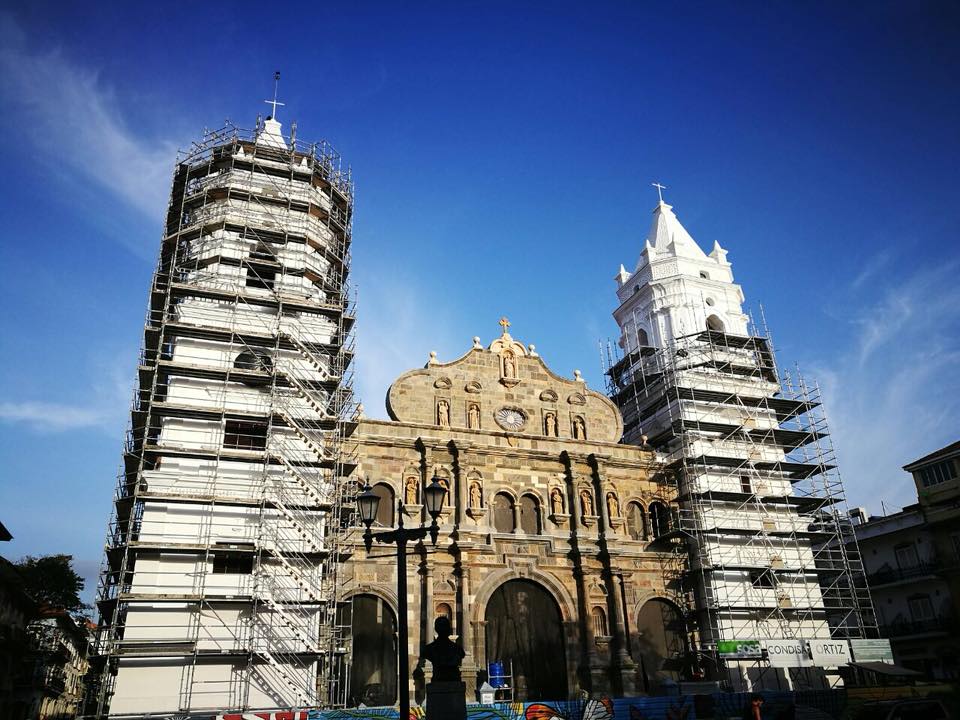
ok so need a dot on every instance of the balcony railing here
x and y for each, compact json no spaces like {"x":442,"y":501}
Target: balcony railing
{"x":892,"y":575}
{"x":919,"y":627}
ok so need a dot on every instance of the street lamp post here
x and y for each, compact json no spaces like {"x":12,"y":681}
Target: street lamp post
{"x":368,"y":502}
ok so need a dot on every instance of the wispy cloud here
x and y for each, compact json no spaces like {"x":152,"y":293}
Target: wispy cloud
{"x":392,"y":340}
{"x":51,"y":417}
{"x":893,"y":393}
{"x":68,"y":113}
{"x":872,"y":266}
{"x":105,"y":409}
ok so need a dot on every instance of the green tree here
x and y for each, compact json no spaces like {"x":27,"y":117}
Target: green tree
{"x":51,"y":580}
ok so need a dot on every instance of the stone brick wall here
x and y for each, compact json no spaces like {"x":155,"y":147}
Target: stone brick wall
{"x":569,"y":494}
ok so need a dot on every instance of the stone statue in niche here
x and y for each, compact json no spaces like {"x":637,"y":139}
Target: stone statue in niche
{"x":556,"y":501}
{"x":446,"y":485}
{"x":476,"y":495}
{"x":550,"y":425}
{"x":410,"y":490}
{"x":473,"y":416}
{"x":579,"y":428}
{"x":613,"y":505}
{"x":443,"y":413}
{"x":586,"y":502}
{"x":509,"y":366}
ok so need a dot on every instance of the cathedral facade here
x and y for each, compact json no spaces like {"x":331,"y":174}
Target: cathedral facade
{"x":546,"y":562}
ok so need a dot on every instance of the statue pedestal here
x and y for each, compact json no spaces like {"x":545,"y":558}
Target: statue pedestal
{"x":446,"y":700}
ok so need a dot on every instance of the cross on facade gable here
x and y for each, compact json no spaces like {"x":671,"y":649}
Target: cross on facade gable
{"x":504,"y":323}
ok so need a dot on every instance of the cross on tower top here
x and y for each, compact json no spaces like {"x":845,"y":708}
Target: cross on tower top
{"x":274,"y":103}
{"x":660,"y":188}
{"x":504,"y":323}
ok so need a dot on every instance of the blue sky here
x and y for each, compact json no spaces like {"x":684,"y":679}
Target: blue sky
{"x":503,"y":154}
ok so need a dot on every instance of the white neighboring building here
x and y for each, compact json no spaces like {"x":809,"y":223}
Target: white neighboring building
{"x":219,"y":585}
{"x":758,"y":491}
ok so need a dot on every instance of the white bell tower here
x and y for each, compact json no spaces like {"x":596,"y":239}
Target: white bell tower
{"x":676,"y":289}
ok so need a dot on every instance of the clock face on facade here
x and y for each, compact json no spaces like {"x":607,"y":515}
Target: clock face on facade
{"x":510,"y":418}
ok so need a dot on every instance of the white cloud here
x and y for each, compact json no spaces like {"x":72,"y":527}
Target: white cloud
{"x":392,"y":339}
{"x":893,"y":394}
{"x":50,"y":417}
{"x":72,"y":117}
{"x":106,"y":409}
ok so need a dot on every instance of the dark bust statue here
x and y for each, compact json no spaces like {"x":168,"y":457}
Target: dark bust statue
{"x":444,"y":654}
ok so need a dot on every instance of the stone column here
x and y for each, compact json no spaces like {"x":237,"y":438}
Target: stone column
{"x":426,"y":616}
{"x":459,"y":493}
{"x":466,"y":630}
{"x":624,"y":663}
{"x":577,"y":527}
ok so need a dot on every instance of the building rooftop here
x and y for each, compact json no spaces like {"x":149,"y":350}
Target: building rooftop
{"x":935,"y":455}
{"x":879,"y":525}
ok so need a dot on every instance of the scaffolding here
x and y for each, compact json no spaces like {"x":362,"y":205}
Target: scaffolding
{"x":225,"y":542}
{"x":762,"y":512}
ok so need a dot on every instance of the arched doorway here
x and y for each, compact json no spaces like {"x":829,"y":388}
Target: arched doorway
{"x":524,"y":627}
{"x":373,"y":673}
{"x":662,"y":641}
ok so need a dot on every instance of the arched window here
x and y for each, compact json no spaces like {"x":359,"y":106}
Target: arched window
{"x":503,"y":513}
{"x":385,"y":508}
{"x":254,"y":359}
{"x":599,"y":618}
{"x":530,"y":515}
{"x":444,"y":610}
{"x":642,"y":339}
{"x":704,"y":274}
{"x":636,"y":521}
{"x":714,"y":323}
{"x":659,"y":519}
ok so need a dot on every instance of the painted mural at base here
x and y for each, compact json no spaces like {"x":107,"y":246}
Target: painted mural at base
{"x":828,"y":704}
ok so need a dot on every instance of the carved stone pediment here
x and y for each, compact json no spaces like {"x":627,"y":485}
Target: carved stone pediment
{"x":503,"y":374}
